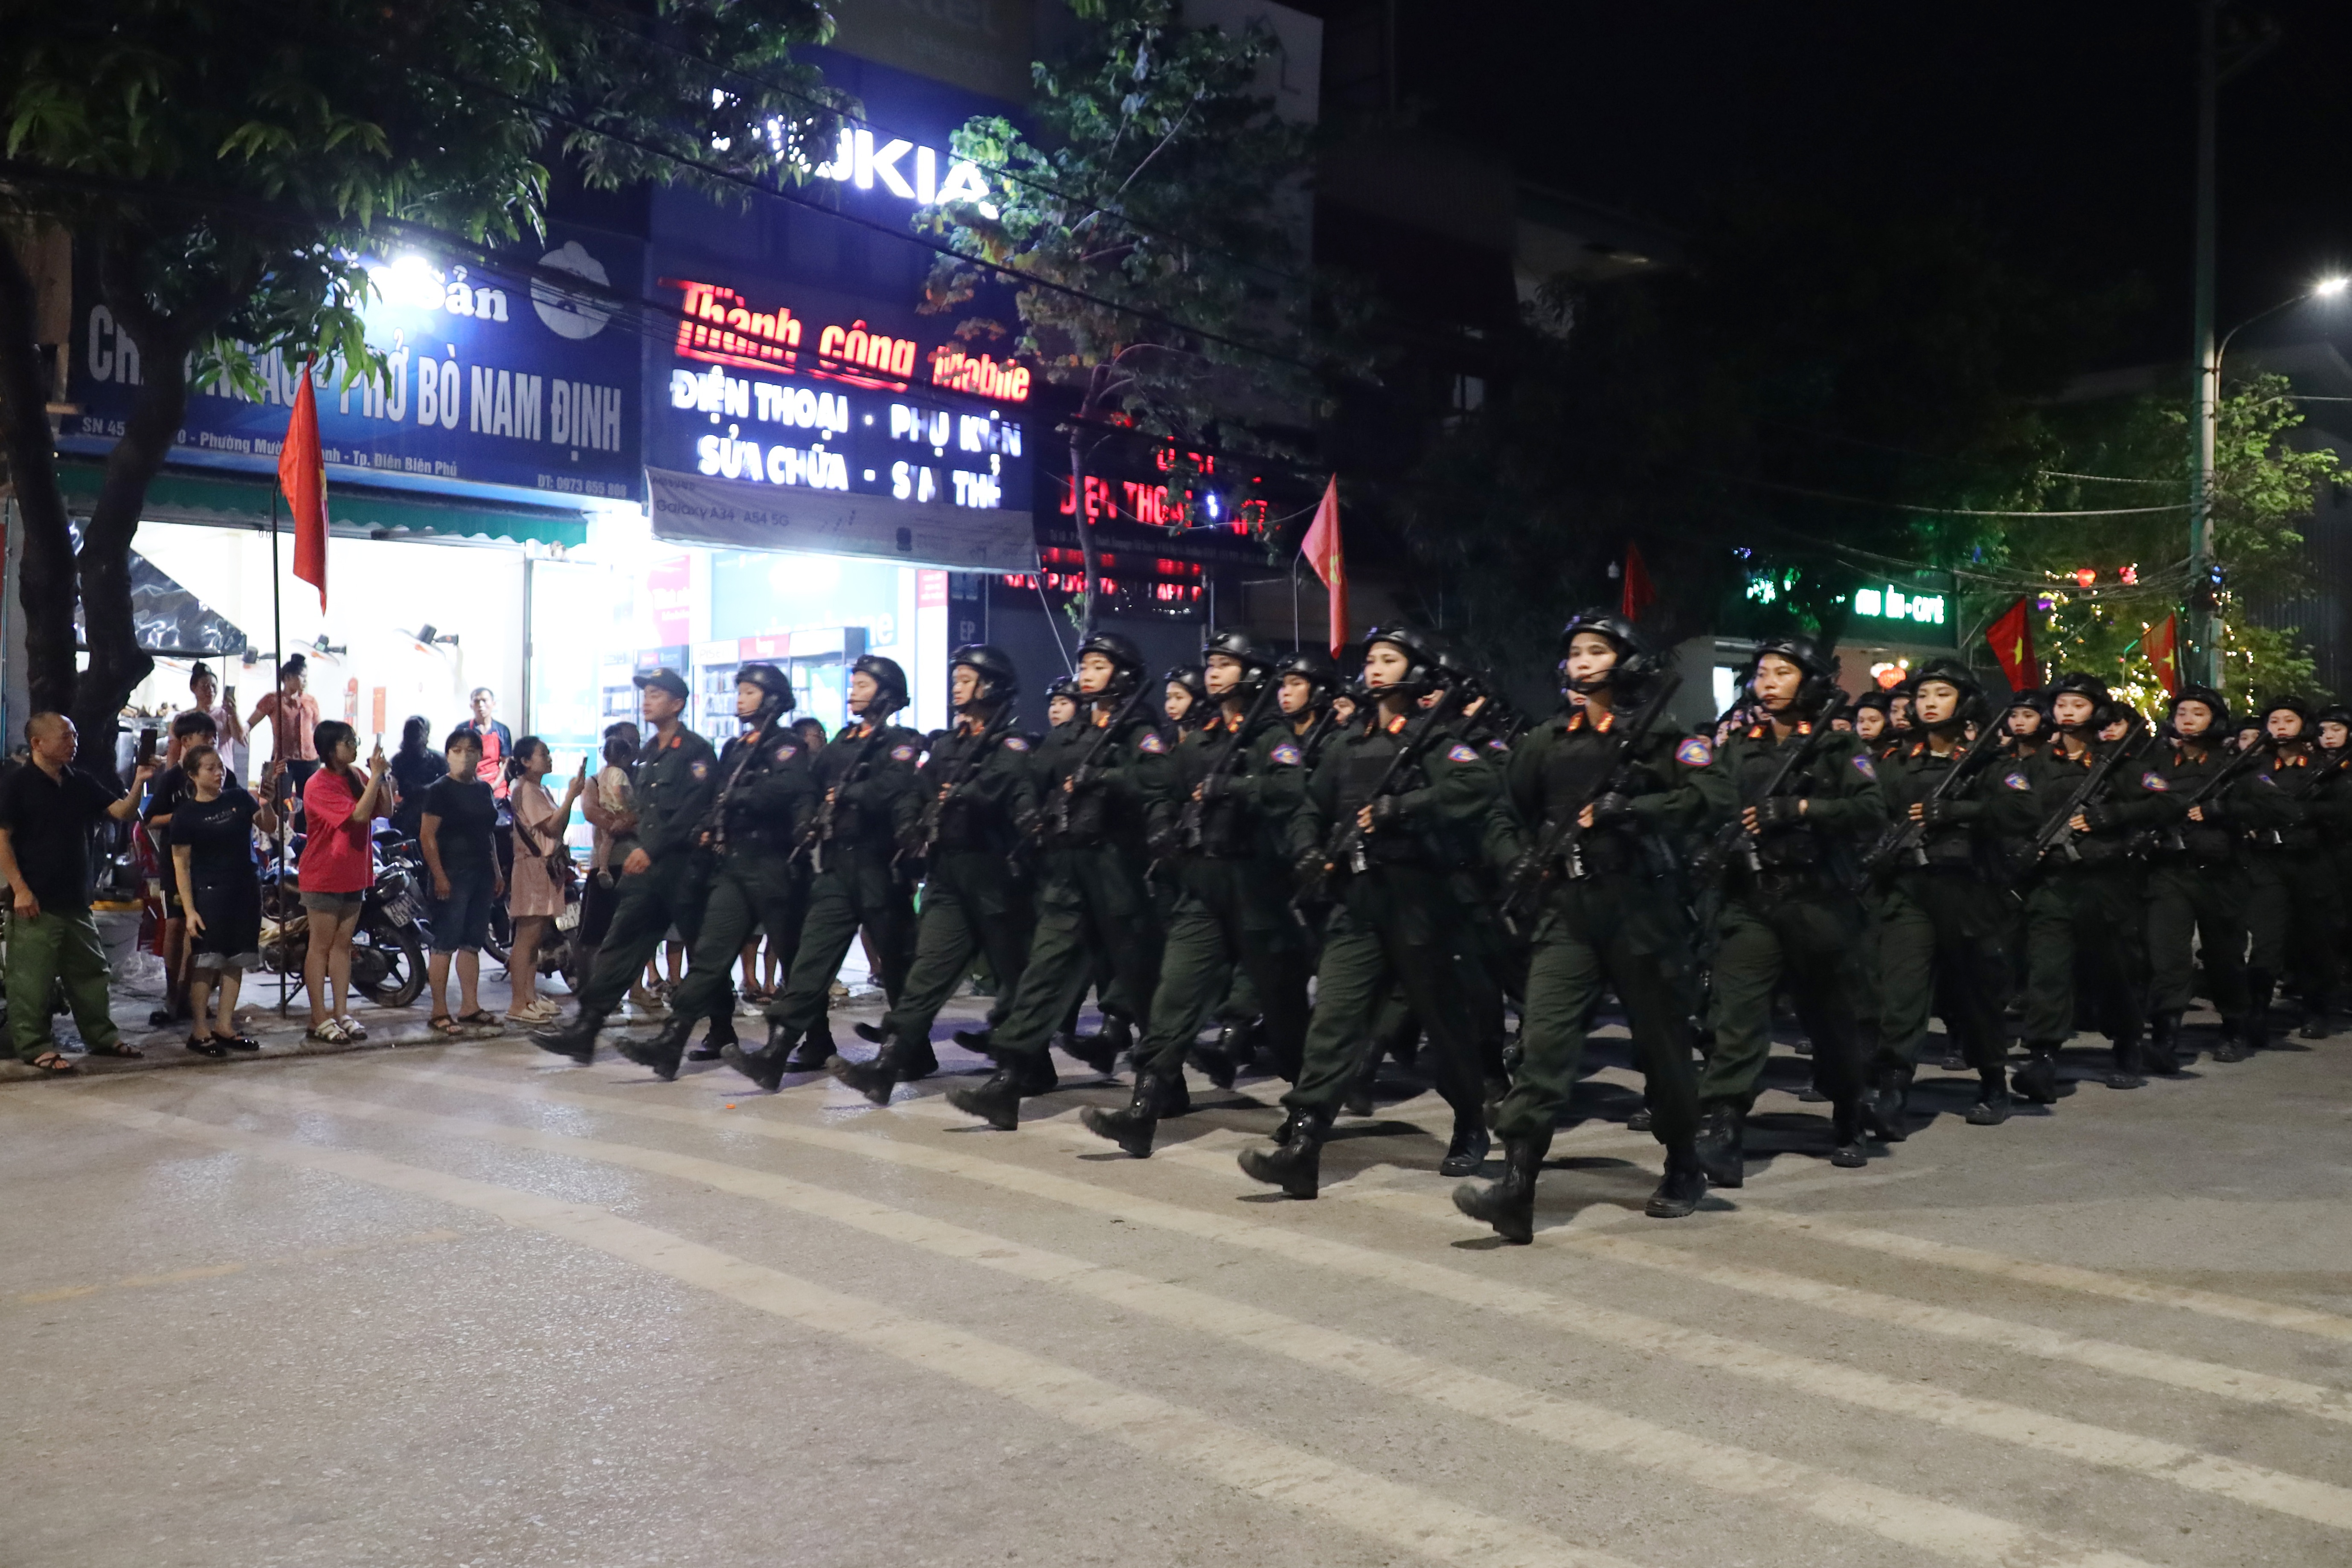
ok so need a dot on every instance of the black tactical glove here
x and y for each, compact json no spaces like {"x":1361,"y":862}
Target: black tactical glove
{"x":1613,"y":806}
{"x":2102,"y":818}
{"x":1386,"y":810}
{"x":1941,"y":813}
{"x":1086,"y":776}
{"x":1779,"y":811}
{"x":1216,"y":786}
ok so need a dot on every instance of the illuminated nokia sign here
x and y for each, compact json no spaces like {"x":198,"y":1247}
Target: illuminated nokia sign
{"x":722,"y":328}
{"x":908,"y":171}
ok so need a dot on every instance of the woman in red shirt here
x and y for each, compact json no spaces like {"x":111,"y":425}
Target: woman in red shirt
{"x":339,"y":806}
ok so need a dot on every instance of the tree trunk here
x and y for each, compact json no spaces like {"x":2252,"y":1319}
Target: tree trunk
{"x":46,"y":585}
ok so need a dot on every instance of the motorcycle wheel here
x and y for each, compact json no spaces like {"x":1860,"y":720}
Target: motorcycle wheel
{"x":398,"y":949}
{"x":499,"y":938}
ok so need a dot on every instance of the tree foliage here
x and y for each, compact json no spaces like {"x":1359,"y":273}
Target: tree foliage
{"x":227,"y":165}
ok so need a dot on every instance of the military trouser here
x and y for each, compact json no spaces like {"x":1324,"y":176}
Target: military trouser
{"x":1870,"y":974}
{"x":2204,"y":902}
{"x":857,"y":891}
{"x":1484,"y":963}
{"x":1230,"y":918}
{"x":1241,"y":1003}
{"x":54,"y":947}
{"x":2295,"y":912}
{"x":1938,"y":943}
{"x":1395,"y":924}
{"x":669,"y":893}
{"x":2096,"y":916}
{"x":972,"y":903}
{"x":1620,"y":932}
{"x":1093,"y":908}
{"x":1805,"y":931}
{"x":752,"y":891}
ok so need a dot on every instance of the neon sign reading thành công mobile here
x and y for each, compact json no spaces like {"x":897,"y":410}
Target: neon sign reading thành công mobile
{"x":721,"y":327}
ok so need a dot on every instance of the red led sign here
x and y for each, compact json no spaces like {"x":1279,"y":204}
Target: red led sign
{"x":722,"y":328}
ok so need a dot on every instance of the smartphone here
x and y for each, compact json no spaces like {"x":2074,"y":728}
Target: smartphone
{"x":146,"y":745}
{"x":228,"y":698}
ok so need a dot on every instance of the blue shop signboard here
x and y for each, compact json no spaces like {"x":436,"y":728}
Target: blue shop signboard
{"x":498,"y":375}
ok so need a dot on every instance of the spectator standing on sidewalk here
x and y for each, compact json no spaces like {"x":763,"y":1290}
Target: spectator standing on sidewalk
{"x":190,"y":730}
{"x":458,"y":837}
{"x":498,"y":742}
{"x":542,"y":870}
{"x":337,"y":868}
{"x":47,"y":808}
{"x":221,"y":708}
{"x":415,"y":768}
{"x":220,"y":888}
{"x":293,"y":715}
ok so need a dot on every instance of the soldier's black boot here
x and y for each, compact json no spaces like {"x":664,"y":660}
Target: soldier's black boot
{"x":2258,"y":985}
{"x":2162,"y":1053}
{"x":1510,"y":1205}
{"x":1132,"y":1128}
{"x":1885,"y":1107}
{"x":1289,"y":1125}
{"x":1722,"y":1132}
{"x":1641,"y":1120}
{"x":1992,"y":1106}
{"x":2314,"y":1015}
{"x":1846,"y":1151}
{"x":2238,"y":1038}
{"x":1223,"y":1061}
{"x":2037,"y":1081}
{"x":982,"y":1041}
{"x":1465,"y":1152}
{"x":2123,"y":1073}
{"x":1296,"y":1165}
{"x":1100,"y":1053}
{"x":664,"y":1050}
{"x":1685,"y":1184}
{"x":911,"y":1059}
{"x":574,"y":1037}
{"x":997,"y":1100}
{"x":766,"y":1067}
{"x":813,"y":1051}
{"x":875,"y":1079}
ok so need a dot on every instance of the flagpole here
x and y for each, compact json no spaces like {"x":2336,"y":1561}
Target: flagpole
{"x":278,"y":743}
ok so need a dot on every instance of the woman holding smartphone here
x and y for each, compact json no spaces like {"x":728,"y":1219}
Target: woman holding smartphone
{"x":212,"y":861}
{"x":535,"y":893}
{"x":337,"y":868}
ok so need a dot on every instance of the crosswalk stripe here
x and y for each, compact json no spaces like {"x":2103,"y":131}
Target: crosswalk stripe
{"x":1919,"y":1522}
{"x":2257,"y":1486}
{"x":2060,"y":1275}
{"x":1404,"y":1518}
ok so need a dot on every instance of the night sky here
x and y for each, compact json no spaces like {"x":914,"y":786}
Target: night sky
{"x":2069,"y":124}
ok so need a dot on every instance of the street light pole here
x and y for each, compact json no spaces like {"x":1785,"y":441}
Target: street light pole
{"x":2204,"y":612}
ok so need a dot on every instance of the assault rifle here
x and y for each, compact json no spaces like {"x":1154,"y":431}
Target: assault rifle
{"x":1347,"y":841}
{"x":1903,"y":842}
{"x":2056,"y":834}
{"x":1188,"y":821}
{"x":2226,"y":774}
{"x":820,"y":829}
{"x":967,"y":769}
{"x":1559,"y":844}
{"x":1097,"y":743}
{"x":1734,"y":835}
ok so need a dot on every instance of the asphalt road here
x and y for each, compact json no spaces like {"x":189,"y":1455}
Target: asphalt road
{"x":467,"y":1304}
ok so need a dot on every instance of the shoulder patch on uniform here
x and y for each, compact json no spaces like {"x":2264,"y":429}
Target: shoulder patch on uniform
{"x":1461,"y":753}
{"x":2155,"y":781}
{"x":1697,"y":751}
{"x":1151,"y":742}
{"x":1864,"y":766}
{"x":699,"y":768}
{"x":1286,"y":754}
{"x":2018,"y":781}
{"x":902,"y":754}
{"x":1016,"y":743}
{"x":787,"y":752}
{"x":1498,"y":744}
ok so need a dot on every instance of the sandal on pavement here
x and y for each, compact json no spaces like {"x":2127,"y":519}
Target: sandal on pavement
{"x":52,"y":1062}
{"x":479,"y":1019}
{"x":352,"y":1029}
{"x":329,"y":1033}
{"x":442,"y":1024}
{"x":205,"y":1046}
{"x":236,"y":1042}
{"x":120,"y":1048}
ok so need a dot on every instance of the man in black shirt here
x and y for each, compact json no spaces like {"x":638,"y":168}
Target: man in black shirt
{"x":46,"y":812}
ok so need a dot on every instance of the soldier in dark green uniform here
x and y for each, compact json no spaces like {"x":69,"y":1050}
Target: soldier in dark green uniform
{"x":1604,"y":910}
{"x":853,"y":844}
{"x":1788,"y":913}
{"x":1941,"y":908}
{"x":963,"y":821}
{"x":1234,"y":784}
{"x":765,"y":794}
{"x":1395,"y":918}
{"x":664,"y":878}
{"x":2197,"y":878}
{"x":2083,"y":900}
{"x":2294,"y":909}
{"x":1098,"y":776}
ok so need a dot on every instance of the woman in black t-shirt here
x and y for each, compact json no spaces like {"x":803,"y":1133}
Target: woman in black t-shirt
{"x":457,"y":830}
{"x":212,"y":862}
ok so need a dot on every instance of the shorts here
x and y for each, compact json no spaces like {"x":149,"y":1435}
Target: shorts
{"x":461,"y":922}
{"x":337,"y":904}
{"x":224,"y":963}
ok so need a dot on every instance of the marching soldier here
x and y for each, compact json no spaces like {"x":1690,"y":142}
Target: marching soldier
{"x":1788,"y":915}
{"x":1397,"y":791}
{"x":852,"y":844}
{"x":1596,"y":854}
{"x":963,"y":823}
{"x":664,"y":878}
{"x":764,"y":795}
{"x":1186,"y":705}
{"x":1097,"y":776}
{"x":2294,"y":909}
{"x":1868,"y":720}
{"x":1941,"y":912}
{"x":1233,"y":785}
{"x":2197,"y":878}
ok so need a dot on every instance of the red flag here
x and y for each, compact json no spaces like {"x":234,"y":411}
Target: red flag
{"x":1640,"y":591}
{"x":2163,"y":646}
{"x":1321,"y":548}
{"x":2012,"y":638}
{"x":303,"y":475}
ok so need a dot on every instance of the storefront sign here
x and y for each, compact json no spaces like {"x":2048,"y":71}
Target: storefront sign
{"x":495,"y":377}
{"x":691,"y":508}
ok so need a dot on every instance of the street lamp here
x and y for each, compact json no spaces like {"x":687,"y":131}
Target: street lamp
{"x":2204,"y":613}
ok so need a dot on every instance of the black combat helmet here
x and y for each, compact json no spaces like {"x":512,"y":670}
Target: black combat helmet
{"x":775,"y":686}
{"x":1635,"y":659}
{"x":1127,"y":661}
{"x":999,"y":680}
{"x":888,"y":677}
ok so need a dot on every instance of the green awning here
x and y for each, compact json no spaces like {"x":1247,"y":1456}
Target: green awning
{"x":186,"y":495}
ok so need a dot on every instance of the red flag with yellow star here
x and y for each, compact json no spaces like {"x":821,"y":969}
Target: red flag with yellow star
{"x":2012,"y":638}
{"x":2163,"y":646}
